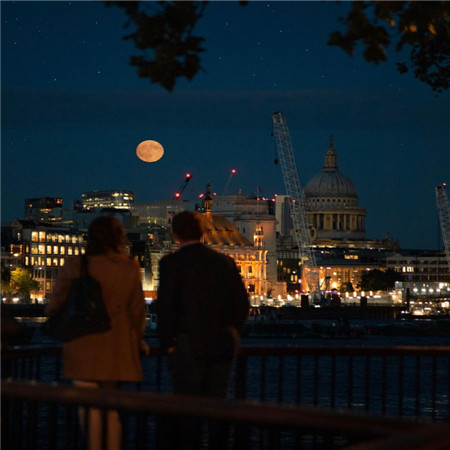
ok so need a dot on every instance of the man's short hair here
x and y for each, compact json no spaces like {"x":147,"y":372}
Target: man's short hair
{"x":187,"y":226}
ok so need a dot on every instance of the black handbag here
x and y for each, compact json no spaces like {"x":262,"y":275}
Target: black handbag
{"x":84,"y":311}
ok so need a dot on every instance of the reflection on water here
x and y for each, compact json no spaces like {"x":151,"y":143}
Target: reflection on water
{"x":378,"y":385}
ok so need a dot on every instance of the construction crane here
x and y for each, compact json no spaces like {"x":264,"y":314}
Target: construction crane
{"x":443,"y":207}
{"x":233,"y":172}
{"x":181,"y":189}
{"x":297,"y":207}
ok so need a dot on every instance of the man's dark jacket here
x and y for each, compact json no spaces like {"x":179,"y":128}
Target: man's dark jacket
{"x":201,"y":295}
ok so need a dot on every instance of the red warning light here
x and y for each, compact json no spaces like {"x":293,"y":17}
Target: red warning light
{"x":188,"y":175}
{"x":233,"y":171}
{"x":177,"y":194}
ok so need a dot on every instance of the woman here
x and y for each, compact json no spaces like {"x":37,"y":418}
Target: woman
{"x":105,"y":359}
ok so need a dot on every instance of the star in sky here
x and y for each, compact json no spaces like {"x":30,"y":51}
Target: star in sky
{"x":74,"y":111}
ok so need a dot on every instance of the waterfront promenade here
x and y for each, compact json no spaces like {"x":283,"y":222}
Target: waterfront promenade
{"x":294,"y":313}
{"x":284,"y":396}
{"x":359,"y":392}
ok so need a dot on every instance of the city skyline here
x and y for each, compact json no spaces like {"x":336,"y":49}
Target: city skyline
{"x":74,"y":112}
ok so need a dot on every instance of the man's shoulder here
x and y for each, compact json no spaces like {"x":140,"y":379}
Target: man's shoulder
{"x":167,"y":259}
{"x":221,"y":258}
{"x":202,"y":251}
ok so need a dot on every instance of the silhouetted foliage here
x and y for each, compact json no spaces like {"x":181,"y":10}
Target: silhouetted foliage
{"x":22,"y":282}
{"x":379,"y":280}
{"x":164,"y":30}
{"x":7,"y":289}
{"x":347,"y":287}
{"x":422,"y":25}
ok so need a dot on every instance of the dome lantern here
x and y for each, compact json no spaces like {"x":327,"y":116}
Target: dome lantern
{"x":330,"y":182}
{"x":331,"y":202}
{"x":330,"y":164}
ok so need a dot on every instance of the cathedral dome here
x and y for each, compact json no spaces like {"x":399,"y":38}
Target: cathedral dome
{"x":330,"y":182}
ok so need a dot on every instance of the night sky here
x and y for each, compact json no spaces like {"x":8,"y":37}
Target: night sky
{"x":74,"y":110}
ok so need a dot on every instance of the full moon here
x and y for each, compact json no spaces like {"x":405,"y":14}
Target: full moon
{"x":150,"y":151}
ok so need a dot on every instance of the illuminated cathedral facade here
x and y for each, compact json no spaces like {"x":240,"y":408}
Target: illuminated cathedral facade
{"x":331,"y":204}
{"x":338,"y":232}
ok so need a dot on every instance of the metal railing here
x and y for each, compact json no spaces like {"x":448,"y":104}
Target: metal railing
{"x":409,"y":382}
{"x":37,"y":416}
{"x":394,"y":381}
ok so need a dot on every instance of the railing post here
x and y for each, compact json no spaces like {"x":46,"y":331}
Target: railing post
{"x":242,"y":433}
{"x":241,"y":376}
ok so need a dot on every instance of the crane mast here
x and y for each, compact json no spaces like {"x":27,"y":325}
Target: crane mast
{"x":297,"y":208}
{"x":443,"y":207}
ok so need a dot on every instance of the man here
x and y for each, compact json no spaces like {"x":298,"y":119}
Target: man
{"x":202,"y":304}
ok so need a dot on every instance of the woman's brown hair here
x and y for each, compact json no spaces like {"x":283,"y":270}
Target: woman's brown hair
{"x":105,"y":233}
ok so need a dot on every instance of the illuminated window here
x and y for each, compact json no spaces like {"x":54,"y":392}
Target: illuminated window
{"x":34,"y":236}
{"x":69,"y":251}
{"x":49,"y":249}
{"x":48,"y":285}
{"x":27,"y":260}
{"x":41,"y":249}
{"x":83,"y":250}
{"x":60,"y":238}
{"x":55,"y":249}
{"x":34,"y":249}
{"x":76,"y":251}
{"x":62,"y":250}
{"x":55,"y":261}
{"x":41,"y":236}
{"x":48,"y":261}
{"x":74,"y":240}
{"x":61,"y":261}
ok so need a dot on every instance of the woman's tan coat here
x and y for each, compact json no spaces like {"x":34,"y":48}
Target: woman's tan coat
{"x":113,"y":355}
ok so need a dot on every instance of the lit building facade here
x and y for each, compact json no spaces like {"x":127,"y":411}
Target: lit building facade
{"x":159,"y":212}
{"x":38,"y":209}
{"x":44,"y":249}
{"x":283,"y":215}
{"x":420,"y":266}
{"x":339,"y":266}
{"x":82,"y":218}
{"x":118,"y":199}
{"x":224,"y":237}
{"x":336,"y":267}
{"x":337,"y":230}
{"x":254,"y":217}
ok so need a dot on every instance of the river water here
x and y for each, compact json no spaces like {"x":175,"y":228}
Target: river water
{"x":366,"y":340}
{"x":377,"y":387}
